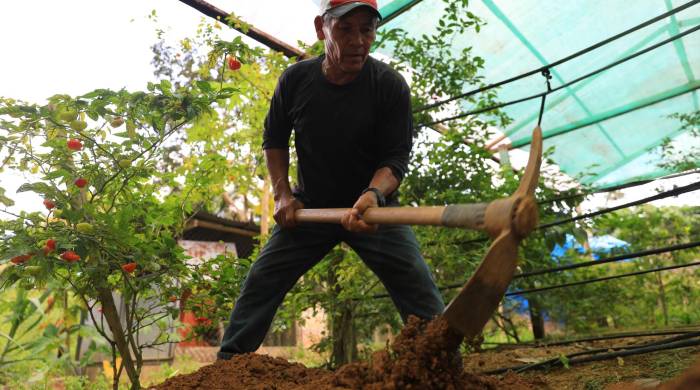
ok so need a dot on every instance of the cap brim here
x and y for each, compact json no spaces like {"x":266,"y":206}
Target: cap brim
{"x":345,"y":8}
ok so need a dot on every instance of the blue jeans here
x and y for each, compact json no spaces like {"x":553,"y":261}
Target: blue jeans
{"x":392,"y":253}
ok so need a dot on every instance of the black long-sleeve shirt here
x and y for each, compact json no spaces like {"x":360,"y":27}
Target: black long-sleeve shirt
{"x":343,"y":133}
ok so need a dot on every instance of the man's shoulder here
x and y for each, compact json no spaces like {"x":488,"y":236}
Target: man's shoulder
{"x":384,"y":71}
{"x":301,"y":68}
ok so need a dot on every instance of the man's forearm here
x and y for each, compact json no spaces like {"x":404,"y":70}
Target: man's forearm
{"x":278,"y":166}
{"x":384,"y":180}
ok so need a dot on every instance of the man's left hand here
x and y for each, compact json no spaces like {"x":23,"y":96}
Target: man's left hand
{"x":352,"y":220}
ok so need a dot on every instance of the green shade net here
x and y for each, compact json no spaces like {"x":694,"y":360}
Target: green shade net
{"x":607,"y":129}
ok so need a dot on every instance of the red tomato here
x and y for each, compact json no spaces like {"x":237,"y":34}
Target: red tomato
{"x":129,"y":267}
{"x":74,"y":144}
{"x":80,"y":182}
{"x":50,"y":246}
{"x":233,"y":63}
{"x":49,"y":204}
{"x":70,"y":256}
{"x":21,"y":259}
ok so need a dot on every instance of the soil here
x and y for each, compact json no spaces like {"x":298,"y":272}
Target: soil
{"x":646,"y":371}
{"x":690,"y":380}
{"x":419,"y":358}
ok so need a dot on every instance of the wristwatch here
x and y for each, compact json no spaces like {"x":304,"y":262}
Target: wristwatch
{"x":381,"y":200}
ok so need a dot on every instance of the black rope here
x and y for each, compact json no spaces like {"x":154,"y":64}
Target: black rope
{"x":628,"y":256}
{"x":547,"y":76}
{"x":619,"y":336}
{"x":563,"y":60}
{"x":588,"y":281}
{"x":597,"y":356}
{"x":613,"y":336}
{"x":615,"y":188}
{"x":593,"y":73}
{"x":666,"y":194}
{"x":613,"y":259}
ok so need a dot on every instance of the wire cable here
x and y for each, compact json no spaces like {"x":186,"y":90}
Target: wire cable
{"x":628,"y":256}
{"x":573,"y":358}
{"x":613,"y":259}
{"x":666,"y":194}
{"x":617,"y":187}
{"x":612,"y":336}
{"x":588,"y":281}
{"x":547,"y":77}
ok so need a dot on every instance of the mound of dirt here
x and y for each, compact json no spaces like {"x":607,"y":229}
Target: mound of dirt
{"x":248,"y":371}
{"x":419,"y":358}
{"x":688,"y":381}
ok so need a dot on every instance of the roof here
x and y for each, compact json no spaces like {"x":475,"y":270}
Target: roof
{"x":204,"y":226}
{"x":611,"y":124}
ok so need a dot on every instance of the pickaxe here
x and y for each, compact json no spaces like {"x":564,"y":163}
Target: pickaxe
{"x":507,"y":221}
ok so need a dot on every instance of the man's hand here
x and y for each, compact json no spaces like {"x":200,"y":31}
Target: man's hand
{"x":352,"y":220}
{"x":285,"y":207}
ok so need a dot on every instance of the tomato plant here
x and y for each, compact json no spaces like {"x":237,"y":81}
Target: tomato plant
{"x":106,"y":204}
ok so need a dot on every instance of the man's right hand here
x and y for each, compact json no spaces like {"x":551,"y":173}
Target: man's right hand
{"x":285,"y":207}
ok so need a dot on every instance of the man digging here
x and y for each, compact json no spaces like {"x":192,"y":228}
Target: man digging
{"x":353,"y":136}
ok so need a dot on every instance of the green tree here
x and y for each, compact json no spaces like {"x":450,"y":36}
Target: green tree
{"x":227,"y":142}
{"x":657,"y":299}
{"x":682,"y":160}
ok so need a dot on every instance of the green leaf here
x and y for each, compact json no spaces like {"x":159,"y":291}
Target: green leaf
{"x":8,"y":277}
{"x":580,"y":235}
{"x":564,"y":360}
{"x":204,"y":86}
{"x":39,"y":188}
{"x":165,"y":86}
{"x":4,"y":199}
{"x":92,"y":115}
{"x":91,"y":95}
{"x":55,"y":174}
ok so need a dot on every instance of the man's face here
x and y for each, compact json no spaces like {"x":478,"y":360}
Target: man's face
{"x":348,"y":38}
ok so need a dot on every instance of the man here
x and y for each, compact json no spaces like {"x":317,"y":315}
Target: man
{"x":353,"y":135}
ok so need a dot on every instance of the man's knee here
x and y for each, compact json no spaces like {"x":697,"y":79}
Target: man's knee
{"x":257,"y":276}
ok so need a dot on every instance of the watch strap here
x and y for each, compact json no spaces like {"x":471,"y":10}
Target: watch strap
{"x":381,"y":200}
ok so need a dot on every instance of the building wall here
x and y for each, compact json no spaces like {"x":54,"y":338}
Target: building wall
{"x":312,"y":330}
{"x":204,"y":250}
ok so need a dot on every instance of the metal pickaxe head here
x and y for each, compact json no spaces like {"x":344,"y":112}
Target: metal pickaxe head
{"x":507,"y":221}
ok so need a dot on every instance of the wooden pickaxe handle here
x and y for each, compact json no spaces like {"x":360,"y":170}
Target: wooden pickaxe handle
{"x":464,"y":215}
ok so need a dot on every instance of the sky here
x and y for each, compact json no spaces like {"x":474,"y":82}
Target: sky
{"x":75,"y":46}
